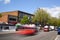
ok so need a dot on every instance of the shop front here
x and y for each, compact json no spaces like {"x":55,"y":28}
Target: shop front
{"x":7,"y":27}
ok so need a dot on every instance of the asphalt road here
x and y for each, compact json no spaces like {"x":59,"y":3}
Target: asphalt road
{"x":39,"y":36}
{"x":58,"y":37}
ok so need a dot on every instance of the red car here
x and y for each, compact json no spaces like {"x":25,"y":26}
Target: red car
{"x":46,"y":29}
{"x":26,"y":30}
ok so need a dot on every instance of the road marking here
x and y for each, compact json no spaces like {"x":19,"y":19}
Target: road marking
{"x":58,"y":37}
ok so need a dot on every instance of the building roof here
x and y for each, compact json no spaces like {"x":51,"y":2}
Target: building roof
{"x":25,"y":12}
{"x":18,"y":11}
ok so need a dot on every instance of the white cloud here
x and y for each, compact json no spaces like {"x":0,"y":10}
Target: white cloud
{"x":7,"y":1}
{"x":54,"y":11}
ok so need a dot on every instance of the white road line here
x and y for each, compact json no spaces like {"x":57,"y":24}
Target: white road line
{"x":58,"y":37}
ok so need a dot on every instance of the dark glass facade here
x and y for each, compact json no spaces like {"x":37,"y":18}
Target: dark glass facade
{"x":15,"y":19}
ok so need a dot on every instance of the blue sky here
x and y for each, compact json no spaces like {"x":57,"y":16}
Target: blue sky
{"x":30,"y":6}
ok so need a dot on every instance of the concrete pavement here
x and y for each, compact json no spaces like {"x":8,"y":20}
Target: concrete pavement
{"x":7,"y":31}
{"x":58,"y":37}
{"x":40,"y":36}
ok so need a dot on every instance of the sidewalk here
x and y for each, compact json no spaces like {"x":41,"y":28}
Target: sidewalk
{"x":7,"y":31}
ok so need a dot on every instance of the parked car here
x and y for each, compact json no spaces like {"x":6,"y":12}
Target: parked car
{"x":51,"y":28}
{"x":26,"y":30}
{"x":58,"y":30}
{"x":46,"y":28}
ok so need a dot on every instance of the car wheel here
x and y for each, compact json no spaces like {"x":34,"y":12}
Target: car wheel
{"x":16,"y":29}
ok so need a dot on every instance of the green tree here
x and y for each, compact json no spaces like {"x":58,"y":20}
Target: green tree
{"x":0,"y":15}
{"x":41,"y":16}
{"x":24,"y":20}
{"x":58,"y":22}
{"x":58,"y":19}
{"x":53,"y":21}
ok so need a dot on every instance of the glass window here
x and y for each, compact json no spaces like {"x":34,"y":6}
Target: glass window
{"x":21,"y":15}
{"x":12,"y":19}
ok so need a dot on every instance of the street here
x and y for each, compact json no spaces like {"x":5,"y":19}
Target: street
{"x":58,"y":37}
{"x":39,"y":36}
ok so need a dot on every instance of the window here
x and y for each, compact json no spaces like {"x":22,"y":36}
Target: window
{"x":21,"y":15}
{"x":12,"y":19}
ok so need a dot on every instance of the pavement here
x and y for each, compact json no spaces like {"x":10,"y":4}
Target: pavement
{"x":58,"y":37}
{"x":7,"y":31}
{"x":39,"y":36}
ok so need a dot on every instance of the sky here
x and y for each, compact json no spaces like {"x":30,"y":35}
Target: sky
{"x":30,"y":6}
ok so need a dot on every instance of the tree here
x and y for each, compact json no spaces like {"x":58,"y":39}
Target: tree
{"x":24,"y":20}
{"x":0,"y":15}
{"x":53,"y":21}
{"x":41,"y":16}
{"x":58,"y":19}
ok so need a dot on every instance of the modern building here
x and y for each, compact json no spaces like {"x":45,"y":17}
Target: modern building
{"x":13,"y":17}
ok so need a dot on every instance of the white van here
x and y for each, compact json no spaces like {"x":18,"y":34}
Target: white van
{"x":52,"y":27}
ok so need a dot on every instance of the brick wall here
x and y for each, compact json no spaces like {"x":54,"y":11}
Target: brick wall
{"x":4,"y":17}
